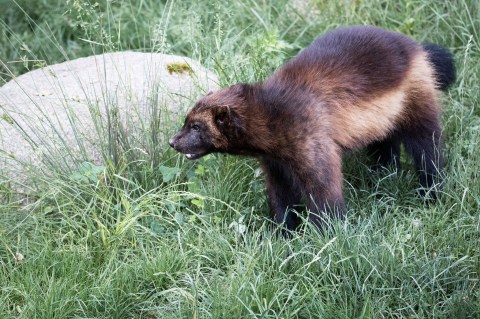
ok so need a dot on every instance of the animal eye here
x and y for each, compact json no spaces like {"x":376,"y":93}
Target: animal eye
{"x":195,"y":127}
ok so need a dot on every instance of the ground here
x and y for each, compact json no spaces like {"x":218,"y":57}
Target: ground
{"x":148,"y":234}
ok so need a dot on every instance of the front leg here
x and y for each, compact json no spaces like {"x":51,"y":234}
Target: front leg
{"x":283,"y":192}
{"x":322,"y":182}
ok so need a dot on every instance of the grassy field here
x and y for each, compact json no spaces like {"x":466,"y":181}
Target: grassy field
{"x":161,"y":237}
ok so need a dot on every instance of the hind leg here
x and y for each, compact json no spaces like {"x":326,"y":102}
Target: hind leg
{"x":385,"y":153}
{"x":423,"y":141}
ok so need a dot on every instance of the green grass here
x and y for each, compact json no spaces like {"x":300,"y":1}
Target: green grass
{"x":153,"y":235}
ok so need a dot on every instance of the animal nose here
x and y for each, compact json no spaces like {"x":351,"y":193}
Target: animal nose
{"x":171,"y":142}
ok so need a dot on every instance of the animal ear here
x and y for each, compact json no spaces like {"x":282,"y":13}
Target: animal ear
{"x":227,"y":119}
{"x":223,"y":116}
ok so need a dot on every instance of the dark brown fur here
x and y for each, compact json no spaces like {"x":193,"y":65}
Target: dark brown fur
{"x":353,"y":87}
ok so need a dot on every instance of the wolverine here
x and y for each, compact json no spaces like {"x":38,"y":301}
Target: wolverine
{"x":354,"y":87}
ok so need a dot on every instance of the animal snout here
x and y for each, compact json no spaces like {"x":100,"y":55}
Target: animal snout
{"x":171,"y":142}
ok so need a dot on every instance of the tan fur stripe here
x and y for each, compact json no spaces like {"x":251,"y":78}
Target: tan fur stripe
{"x":356,"y":125}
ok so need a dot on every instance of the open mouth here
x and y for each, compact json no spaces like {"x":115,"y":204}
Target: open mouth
{"x":192,"y":156}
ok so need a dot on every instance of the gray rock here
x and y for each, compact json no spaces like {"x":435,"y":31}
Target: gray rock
{"x":68,"y":108}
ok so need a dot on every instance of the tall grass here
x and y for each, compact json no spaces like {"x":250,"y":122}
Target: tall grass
{"x":150,"y":235}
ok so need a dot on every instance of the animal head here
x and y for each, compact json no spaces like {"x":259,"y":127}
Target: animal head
{"x":214,"y":124}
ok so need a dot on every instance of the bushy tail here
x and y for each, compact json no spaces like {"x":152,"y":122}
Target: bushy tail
{"x":443,"y":64}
